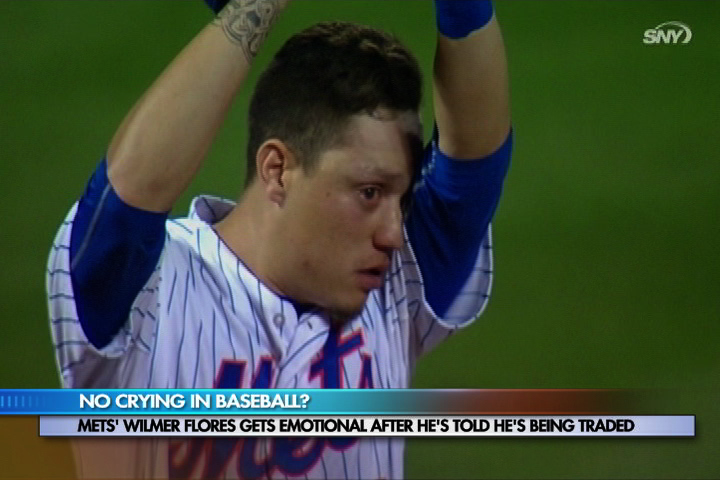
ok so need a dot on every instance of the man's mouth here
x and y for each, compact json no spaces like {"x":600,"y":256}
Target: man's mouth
{"x":372,"y":278}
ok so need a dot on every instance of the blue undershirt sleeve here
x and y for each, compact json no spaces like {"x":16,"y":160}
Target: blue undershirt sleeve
{"x":114,"y":249}
{"x":450,"y":214}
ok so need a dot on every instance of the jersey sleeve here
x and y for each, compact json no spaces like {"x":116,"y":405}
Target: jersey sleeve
{"x":448,"y":257}
{"x":102,"y":282}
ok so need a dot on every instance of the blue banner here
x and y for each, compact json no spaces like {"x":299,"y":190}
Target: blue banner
{"x":313,"y":402}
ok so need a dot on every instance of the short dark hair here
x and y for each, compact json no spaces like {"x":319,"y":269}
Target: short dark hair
{"x":320,"y":78}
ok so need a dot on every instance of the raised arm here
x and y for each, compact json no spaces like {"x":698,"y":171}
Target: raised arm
{"x":470,"y":84}
{"x":448,"y":226}
{"x":163,"y":140}
{"x":119,"y":226}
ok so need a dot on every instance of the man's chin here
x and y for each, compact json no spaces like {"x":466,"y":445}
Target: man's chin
{"x":340,"y":316}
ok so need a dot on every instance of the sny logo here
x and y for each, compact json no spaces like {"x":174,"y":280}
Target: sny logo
{"x":668,"y":33}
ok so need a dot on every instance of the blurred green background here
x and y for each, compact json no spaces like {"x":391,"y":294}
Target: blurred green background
{"x":607,"y":271}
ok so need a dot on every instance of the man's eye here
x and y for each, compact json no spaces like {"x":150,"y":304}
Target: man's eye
{"x":370,"y":193}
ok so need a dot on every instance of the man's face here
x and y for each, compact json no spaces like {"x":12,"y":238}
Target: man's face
{"x":342,"y":221}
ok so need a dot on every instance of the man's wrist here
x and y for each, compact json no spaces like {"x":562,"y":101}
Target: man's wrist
{"x":458,"y":18}
{"x":247,"y":23}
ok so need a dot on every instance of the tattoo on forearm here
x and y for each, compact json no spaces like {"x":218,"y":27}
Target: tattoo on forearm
{"x":246,"y":23}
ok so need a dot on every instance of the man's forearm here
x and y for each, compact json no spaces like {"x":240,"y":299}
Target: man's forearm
{"x":163,"y":140}
{"x":470,"y":91}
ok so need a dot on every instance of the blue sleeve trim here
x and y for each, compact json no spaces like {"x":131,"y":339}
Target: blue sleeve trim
{"x":216,"y":5}
{"x":114,"y":249}
{"x":450,"y":214}
{"x":459,"y":18}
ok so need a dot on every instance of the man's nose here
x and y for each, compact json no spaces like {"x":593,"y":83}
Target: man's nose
{"x":389,"y":235}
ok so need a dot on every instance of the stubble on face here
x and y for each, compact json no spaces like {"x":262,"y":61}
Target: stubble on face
{"x":339,"y":318}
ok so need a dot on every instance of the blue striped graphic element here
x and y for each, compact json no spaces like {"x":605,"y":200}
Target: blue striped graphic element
{"x":178,"y":401}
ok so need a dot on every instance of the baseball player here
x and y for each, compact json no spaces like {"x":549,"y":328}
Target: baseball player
{"x":351,"y":252}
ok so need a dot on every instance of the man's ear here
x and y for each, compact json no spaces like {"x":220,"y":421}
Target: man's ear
{"x":274,"y":160}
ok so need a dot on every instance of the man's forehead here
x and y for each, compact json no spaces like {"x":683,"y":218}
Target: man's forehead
{"x":387,"y":153}
{"x":384,"y":171}
{"x":381,"y":127}
{"x":381,"y":145}
{"x":408,"y":120}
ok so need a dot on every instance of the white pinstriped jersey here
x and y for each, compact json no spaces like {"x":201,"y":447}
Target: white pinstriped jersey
{"x":204,"y":320}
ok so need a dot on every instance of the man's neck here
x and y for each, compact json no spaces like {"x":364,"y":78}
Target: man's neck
{"x":244,"y":232}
